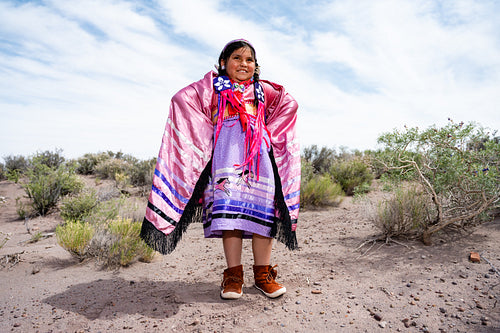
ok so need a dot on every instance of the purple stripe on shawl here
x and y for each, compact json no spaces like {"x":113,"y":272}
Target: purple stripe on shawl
{"x":170,"y":187}
{"x":291,"y":195}
{"x":166,"y":199}
{"x":173,"y":178}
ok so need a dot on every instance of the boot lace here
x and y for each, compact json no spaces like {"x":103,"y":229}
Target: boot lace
{"x":271,"y":274}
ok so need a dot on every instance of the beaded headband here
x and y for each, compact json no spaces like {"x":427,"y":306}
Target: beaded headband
{"x":239,"y":40}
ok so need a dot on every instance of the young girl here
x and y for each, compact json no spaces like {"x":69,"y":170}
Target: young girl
{"x":229,"y":158}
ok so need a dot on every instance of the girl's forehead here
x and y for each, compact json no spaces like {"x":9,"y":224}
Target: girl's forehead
{"x":243,"y":51}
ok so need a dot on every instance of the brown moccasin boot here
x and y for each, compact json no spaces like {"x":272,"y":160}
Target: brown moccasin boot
{"x":264,"y":281}
{"x":232,"y":283}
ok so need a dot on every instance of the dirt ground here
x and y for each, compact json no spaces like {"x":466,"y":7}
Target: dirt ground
{"x":331,"y":285}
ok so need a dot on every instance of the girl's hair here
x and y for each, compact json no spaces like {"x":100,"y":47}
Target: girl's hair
{"x":229,"y":49}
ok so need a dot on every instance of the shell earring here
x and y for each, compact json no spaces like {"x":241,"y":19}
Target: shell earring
{"x":223,"y":67}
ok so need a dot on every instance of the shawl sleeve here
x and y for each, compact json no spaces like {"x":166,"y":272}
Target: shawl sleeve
{"x":281,"y":113}
{"x":180,"y":171}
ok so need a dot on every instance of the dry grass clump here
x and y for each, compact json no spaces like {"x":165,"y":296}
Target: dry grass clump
{"x":406,"y":213}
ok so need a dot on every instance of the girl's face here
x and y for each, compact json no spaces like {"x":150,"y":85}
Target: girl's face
{"x":241,"y":64}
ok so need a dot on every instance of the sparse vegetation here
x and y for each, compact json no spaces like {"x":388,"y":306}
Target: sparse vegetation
{"x":438,"y":178}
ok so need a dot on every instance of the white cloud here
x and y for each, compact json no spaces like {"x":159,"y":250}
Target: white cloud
{"x":94,"y":75}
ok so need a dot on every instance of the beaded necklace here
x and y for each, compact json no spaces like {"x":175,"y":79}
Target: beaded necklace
{"x":232,"y":93}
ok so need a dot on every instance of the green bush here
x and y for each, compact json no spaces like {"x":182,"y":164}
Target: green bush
{"x":116,"y":243}
{"x":112,"y":167}
{"x":3,"y":172}
{"x":141,"y":173}
{"x":52,"y":159}
{"x":15,"y":167}
{"x":318,"y":190}
{"x":19,"y":163}
{"x":128,"y":246}
{"x":352,"y":175}
{"x":75,"y":237}
{"x":407,"y":213}
{"x":457,"y":164}
{"x":45,"y":186}
{"x":79,"y":206}
{"x":86,"y":165}
{"x":321,"y":160}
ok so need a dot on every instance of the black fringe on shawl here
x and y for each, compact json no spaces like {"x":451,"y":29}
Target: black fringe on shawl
{"x":282,"y":228}
{"x":165,"y":244}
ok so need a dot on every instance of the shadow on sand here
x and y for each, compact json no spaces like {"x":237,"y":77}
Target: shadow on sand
{"x":106,"y":299}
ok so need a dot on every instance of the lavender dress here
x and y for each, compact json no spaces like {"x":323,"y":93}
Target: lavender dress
{"x":234,"y":199}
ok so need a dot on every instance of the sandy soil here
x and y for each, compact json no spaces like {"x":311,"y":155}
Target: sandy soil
{"x":332,"y":287}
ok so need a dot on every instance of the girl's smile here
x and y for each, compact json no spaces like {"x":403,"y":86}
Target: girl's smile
{"x":241,"y":65}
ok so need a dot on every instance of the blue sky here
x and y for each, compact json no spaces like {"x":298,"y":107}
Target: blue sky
{"x":90,"y":76}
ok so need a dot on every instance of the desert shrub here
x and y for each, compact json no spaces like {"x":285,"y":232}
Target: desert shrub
{"x":79,"y":206}
{"x":75,"y":237}
{"x":353,"y":175}
{"x":457,"y":165}
{"x":87,"y":164}
{"x":3,"y":172}
{"x":116,"y":243}
{"x":112,"y":167}
{"x":52,"y":159}
{"x":18,"y":162}
{"x":141,"y":173}
{"x":318,"y":190}
{"x":321,"y":159}
{"x":45,"y":186}
{"x":405,"y":214}
{"x":15,"y":167}
{"x":128,"y":246}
